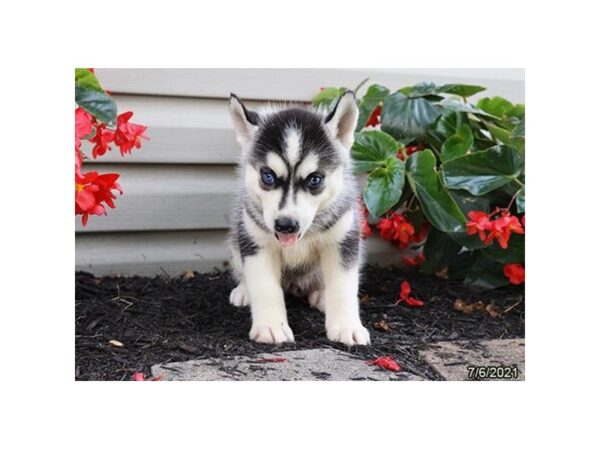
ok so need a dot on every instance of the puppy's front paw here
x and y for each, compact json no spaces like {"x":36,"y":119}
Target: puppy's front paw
{"x":349,"y":334}
{"x":239,"y":296}
{"x":271,"y":334}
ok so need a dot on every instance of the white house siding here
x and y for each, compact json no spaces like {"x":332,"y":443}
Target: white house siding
{"x":173,"y":215}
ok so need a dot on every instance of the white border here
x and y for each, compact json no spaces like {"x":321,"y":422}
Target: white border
{"x":43,"y":41}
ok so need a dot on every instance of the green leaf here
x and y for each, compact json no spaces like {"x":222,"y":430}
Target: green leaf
{"x":436,"y":203}
{"x":451,"y":104}
{"x":482,"y":172}
{"x":486,"y":274}
{"x":468,"y":202}
{"x":458,"y":144}
{"x":496,"y":106}
{"x":430,"y":89}
{"x":404,"y":116}
{"x":98,"y":104}
{"x":504,"y":136}
{"x":371,"y":149}
{"x":501,"y":108}
{"x":521,"y":201}
{"x":384,"y":187}
{"x":373,"y":97}
{"x":439,"y":252}
{"x":518,"y":111}
{"x":419,"y":90}
{"x":327,"y":96}
{"x":515,"y":253}
{"x":449,"y":121}
{"x":462,"y":90}
{"x":519,"y":130}
{"x":86,"y":79}
{"x":471,"y":242}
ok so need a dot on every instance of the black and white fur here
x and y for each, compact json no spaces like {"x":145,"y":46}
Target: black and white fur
{"x":320,"y":253}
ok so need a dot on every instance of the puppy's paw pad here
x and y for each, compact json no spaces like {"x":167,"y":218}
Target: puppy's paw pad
{"x":271,"y":334}
{"x":239,"y":296}
{"x":354,"y":334}
{"x":315,"y":301}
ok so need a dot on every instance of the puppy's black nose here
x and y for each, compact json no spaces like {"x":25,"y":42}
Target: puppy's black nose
{"x":286,"y":225}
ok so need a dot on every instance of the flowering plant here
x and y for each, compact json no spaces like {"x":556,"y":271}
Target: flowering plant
{"x":96,"y":111}
{"x":444,"y":177}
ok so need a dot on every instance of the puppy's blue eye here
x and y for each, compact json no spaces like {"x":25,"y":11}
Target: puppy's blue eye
{"x":268,"y":178}
{"x":314,"y":181}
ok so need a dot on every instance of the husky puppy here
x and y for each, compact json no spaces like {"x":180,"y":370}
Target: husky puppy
{"x":296,"y":225}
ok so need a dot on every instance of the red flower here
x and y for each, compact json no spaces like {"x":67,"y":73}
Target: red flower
{"x":515,"y":273}
{"x":386,"y":228}
{"x":523,"y":220}
{"x":83,"y":125}
{"x":415,"y":261}
{"x":91,"y":190}
{"x":102,"y":138}
{"x":385,"y":362}
{"x":404,"y":233}
{"x":374,"y":117}
{"x":128,"y":135}
{"x":405,"y":296}
{"x":365,"y":228}
{"x":78,"y":163}
{"x":502,"y":228}
{"x":395,"y":227}
{"x":480,"y":222}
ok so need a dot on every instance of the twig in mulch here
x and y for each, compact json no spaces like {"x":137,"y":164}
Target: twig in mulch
{"x":270,"y":360}
{"x":511,"y":307}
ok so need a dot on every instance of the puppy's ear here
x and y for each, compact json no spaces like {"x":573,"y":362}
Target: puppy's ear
{"x":245,"y":122}
{"x":341,"y":121}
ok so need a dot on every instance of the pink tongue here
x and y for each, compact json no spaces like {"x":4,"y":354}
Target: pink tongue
{"x":287,"y":240}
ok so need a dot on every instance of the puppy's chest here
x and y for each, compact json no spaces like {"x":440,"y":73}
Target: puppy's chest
{"x":302,"y":254}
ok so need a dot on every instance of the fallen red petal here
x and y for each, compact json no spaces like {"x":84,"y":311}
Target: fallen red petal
{"x":385,"y":362}
{"x":411,"y":301}
{"x":138,"y":376}
{"x":404,"y":290}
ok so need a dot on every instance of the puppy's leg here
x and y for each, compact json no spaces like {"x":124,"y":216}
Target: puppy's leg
{"x":262,"y":276}
{"x":340,"y":294}
{"x":239,"y":297}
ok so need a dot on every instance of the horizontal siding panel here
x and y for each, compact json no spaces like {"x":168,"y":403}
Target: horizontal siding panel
{"x":174,"y":252}
{"x":296,"y":84}
{"x":180,"y":130}
{"x":152,"y":253}
{"x":167,"y":197}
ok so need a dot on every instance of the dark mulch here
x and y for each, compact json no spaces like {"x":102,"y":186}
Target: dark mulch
{"x":161,"y":320}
